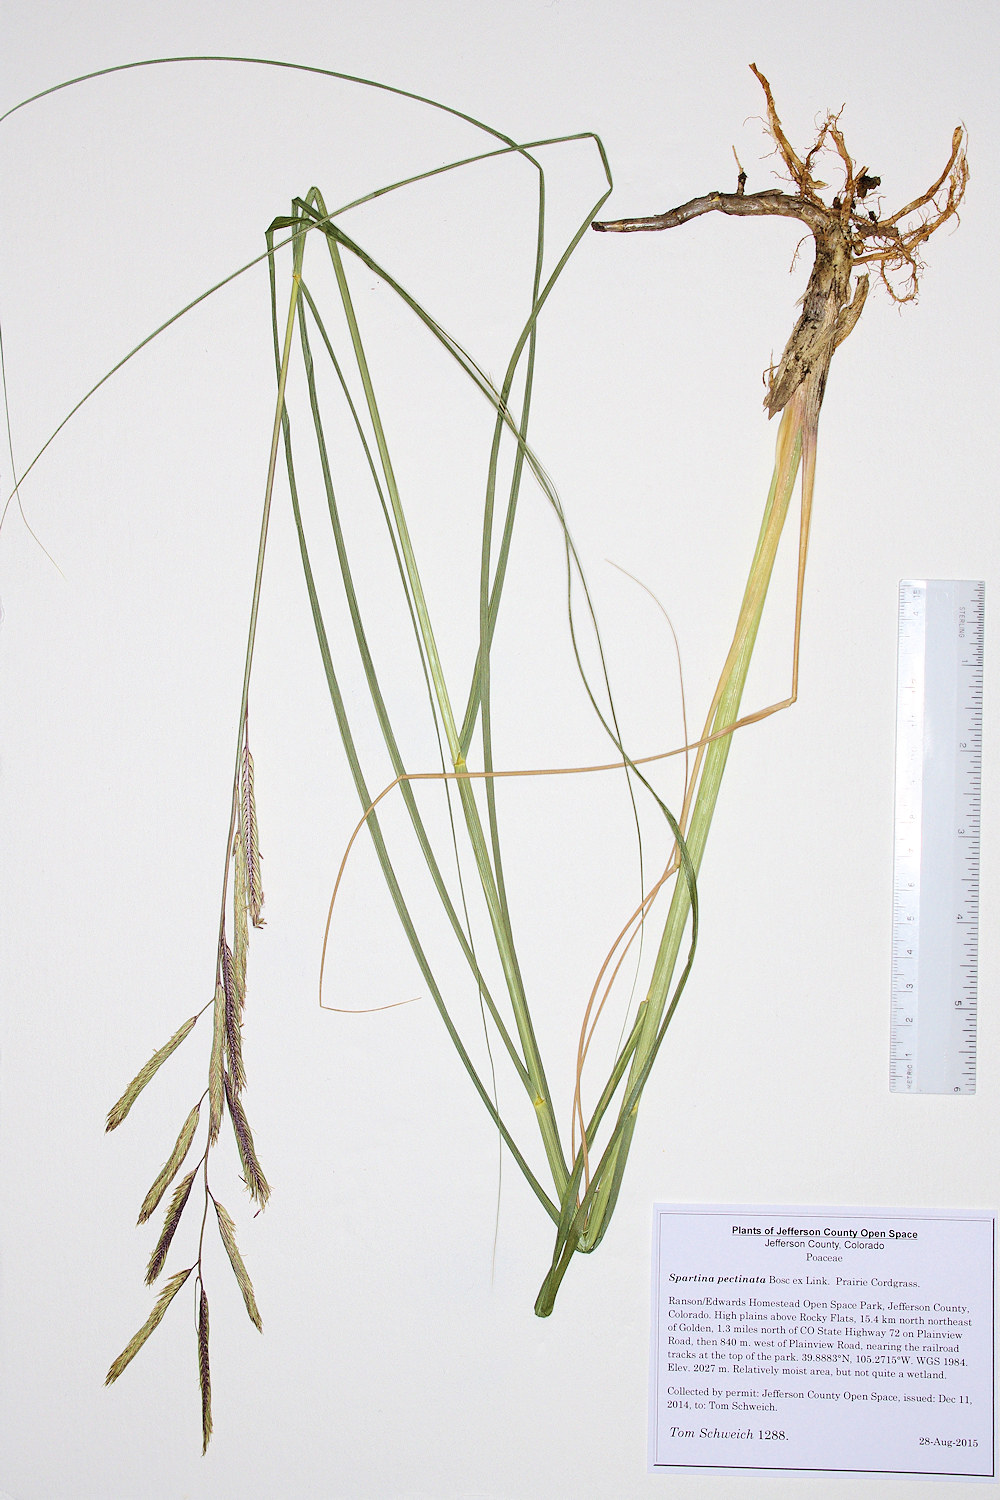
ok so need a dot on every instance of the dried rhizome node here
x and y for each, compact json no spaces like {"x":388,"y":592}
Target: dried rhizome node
{"x":849,"y":232}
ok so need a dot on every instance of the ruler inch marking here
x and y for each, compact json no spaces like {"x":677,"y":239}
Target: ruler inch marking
{"x":935,"y":906}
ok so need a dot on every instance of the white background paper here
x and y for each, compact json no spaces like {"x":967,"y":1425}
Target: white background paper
{"x":397,"y":1359}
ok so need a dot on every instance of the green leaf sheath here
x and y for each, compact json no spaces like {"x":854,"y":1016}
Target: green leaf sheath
{"x":584,"y":1229}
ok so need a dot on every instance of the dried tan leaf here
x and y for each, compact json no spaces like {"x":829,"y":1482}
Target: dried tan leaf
{"x":227,"y":1229}
{"x":135,"y":1088}
{"x":171,"y":1166}
{"x":159,"y":1255}
{"x":132,"y":1348}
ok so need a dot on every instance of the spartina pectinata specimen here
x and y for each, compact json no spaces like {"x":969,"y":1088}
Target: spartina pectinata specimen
{"x":578,"y":1180}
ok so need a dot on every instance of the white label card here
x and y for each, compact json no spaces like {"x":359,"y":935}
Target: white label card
{"x":833,"y":1340}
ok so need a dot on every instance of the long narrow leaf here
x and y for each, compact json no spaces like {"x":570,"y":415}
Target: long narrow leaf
{"x":379,"y":842}
{"x":506,"y":952}
{"x":371,"y":675}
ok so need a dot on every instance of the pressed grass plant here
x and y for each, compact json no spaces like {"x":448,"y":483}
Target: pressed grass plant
{"x":584,"y":1166}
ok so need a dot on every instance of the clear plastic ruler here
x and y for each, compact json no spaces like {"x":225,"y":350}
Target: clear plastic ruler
{"x":935,"y":908}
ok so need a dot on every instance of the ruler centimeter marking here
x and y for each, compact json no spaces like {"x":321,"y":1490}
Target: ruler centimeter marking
{"x":935,"y":899}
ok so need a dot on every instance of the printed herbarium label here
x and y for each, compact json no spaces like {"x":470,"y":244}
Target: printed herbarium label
{"x":823,"y":1339}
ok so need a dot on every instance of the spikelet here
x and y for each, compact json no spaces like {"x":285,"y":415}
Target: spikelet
{"x":252,"y":1175}
{"x":240,"y":933}
{"x":227,"y":1230}
{"x":234,"y":1030}
{"x":248,"y":838}
{"x":171,"y":1166}
{"x":145,"y":1073}
{"x":216,"y":1066}
{"x":204,"y":1375}
{"x":132,"y":1348}
{"x":177,"y":1202}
